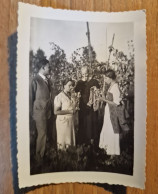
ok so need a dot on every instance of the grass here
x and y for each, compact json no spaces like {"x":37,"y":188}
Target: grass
{"x":86,"y":158}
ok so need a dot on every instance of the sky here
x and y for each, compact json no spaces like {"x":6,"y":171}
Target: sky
{"x":70,"y":35}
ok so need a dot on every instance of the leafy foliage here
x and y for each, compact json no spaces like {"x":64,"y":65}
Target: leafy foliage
{"x":81,"y":57}
{"x":35,"y":60}
{"x":84,"y":158}
{"x":124,"y":68}
{"x":87,"y":157}
{"x":61,"y":68}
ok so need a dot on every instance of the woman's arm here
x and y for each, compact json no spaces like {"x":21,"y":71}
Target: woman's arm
{"x":57,"y":111}
{"x":108,"y":101}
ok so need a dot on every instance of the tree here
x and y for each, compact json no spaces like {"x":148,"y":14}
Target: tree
{"x":35,"y":60}
{"x":124,"y":68}
{"x":80,"y":57}
{"x":60,"y":68}
{"x":31,"y":61}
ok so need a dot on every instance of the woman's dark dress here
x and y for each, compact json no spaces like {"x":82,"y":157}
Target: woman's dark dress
{"x":88,"y":118}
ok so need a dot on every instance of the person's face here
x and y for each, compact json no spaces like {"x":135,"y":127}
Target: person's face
{"x":85,"y":75}
{"x":68,"y":87}
{"x":107,"y":80}
{"x":47,"y":69}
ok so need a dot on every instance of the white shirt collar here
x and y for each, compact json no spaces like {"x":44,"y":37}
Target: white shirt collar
{"x":42,"y":76}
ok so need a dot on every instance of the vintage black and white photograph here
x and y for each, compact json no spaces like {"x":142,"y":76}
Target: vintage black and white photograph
{"x":81,"y":95}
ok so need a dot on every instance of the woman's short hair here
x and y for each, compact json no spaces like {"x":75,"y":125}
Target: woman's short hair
{"x":65,"y":81}
{"x":111,"y":74}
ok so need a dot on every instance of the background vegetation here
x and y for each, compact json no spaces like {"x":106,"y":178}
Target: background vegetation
{"x":86,"y":157}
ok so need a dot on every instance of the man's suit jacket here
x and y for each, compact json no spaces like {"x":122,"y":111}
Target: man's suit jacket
{"x":40,"y":99}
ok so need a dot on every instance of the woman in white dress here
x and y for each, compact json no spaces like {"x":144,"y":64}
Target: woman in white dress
{"x":64,"y":108}
{"x":109,"y":137}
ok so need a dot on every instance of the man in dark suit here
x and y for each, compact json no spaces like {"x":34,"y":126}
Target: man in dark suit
{"x":41,"y":106}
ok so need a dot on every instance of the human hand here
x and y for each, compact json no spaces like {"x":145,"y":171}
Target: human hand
{"x":73,"y":111}
{"x":101,"y":98}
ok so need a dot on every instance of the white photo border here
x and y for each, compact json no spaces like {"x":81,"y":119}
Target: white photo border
{"x":25,"y":13}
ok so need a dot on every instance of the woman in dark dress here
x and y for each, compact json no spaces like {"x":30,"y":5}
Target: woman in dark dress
{"x":88,"y":117}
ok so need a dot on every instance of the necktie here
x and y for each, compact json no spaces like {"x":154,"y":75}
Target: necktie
{"x":48,"y":84}
{"x":46,"y":80}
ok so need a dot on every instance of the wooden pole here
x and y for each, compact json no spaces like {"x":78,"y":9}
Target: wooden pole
{"x":89,"y":45}
{"x":110,"y":49}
